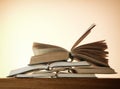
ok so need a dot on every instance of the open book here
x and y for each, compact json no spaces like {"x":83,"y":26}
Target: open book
{"x":50,"y":61}
{"x":92,"y":52}
{"x":50,"y":66}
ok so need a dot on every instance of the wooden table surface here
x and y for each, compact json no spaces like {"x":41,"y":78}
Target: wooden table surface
{"x":59,"y":83}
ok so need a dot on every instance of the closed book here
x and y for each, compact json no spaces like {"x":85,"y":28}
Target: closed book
{"x":73,"y":75}
{"x":98,"y":70}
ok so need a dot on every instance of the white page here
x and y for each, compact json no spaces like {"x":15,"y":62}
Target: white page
{"x":68,"y":64}
{"x":28,"y":68}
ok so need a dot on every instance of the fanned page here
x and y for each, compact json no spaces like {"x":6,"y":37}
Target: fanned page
{"x":83,"y":36}
{"x":92,"y":52}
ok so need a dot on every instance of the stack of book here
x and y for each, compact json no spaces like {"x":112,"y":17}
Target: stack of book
{"x":50,"y":61}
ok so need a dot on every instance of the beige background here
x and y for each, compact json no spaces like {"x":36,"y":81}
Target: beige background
{"x":57,"y":22}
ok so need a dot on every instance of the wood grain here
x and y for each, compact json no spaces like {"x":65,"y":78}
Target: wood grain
{"x":59,"y":83}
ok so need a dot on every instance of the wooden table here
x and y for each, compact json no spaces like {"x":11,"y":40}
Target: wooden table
{"x":59,"y":83}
